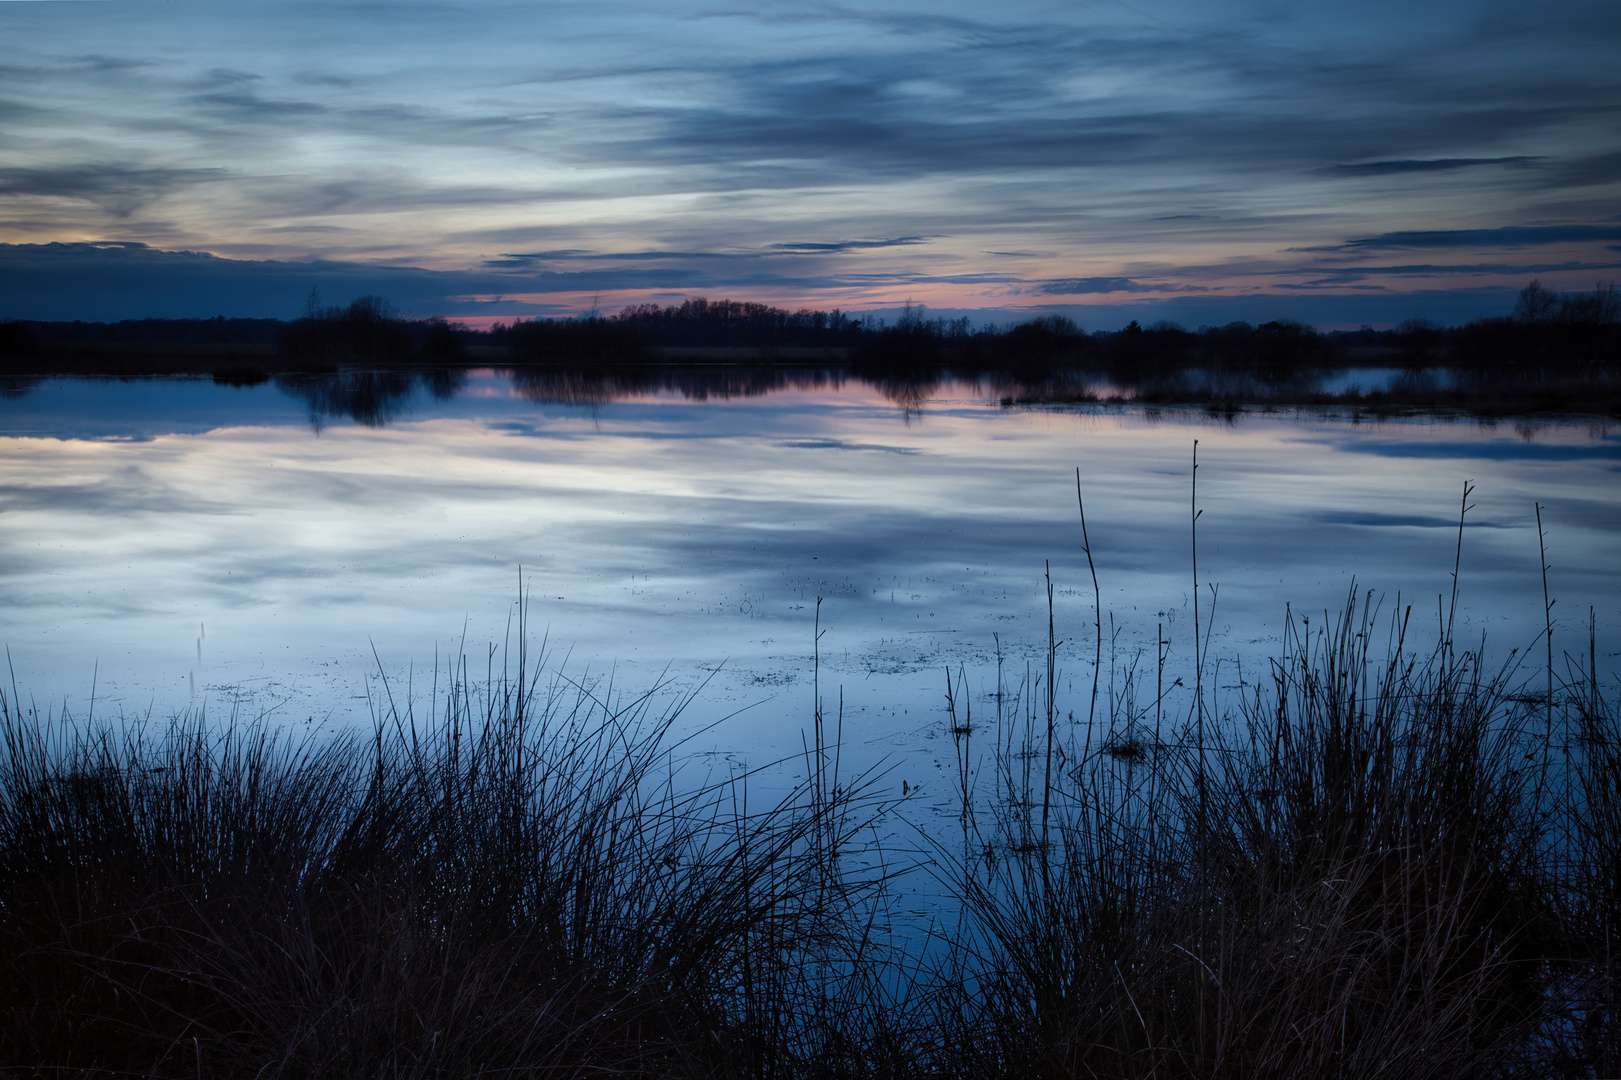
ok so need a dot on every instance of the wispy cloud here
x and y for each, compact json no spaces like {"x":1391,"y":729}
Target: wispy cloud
{"x":849,"y":245}
{"x":1128,"y":149}
{"x":1508,"y":236}
{"x":1330,"y":276}
{"x":1080,"y":286}
{"x":117,"y":188}
{"x":1425,"y":165}
{"x":520,"y":260}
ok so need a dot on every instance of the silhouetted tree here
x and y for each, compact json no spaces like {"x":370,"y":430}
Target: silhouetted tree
{"x":1046,"y":337}
{"x":366,"y":330}
{"x":592,"y":340}
{"x":915,"y":341}
{"x":700,"y":322}
{"x":1418,"y":339}
{"x":1547,"y":329}
{"x":439,"y":340}
{"x":1535,"y":304}
{"x":18,"y":339}
{"x":1132,"y":348}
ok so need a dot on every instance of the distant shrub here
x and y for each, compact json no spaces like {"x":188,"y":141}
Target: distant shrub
{"x":366,"y":330}
{"x":1044,"y":338}
{"x":1161,"y":344}
{"x":1419,"y":340}
{"x":18,"y":339}
{"x":592,"y":339}
{"x":1272,"y":343}
{"x":440,"y":340}
{"x":914,"y":340}
{"x":700,"y":322}
{"x":1547,"y":327}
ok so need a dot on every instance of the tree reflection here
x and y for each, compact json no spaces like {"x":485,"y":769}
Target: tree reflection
{"x":373,"y":397}
{"x":377,"y":396}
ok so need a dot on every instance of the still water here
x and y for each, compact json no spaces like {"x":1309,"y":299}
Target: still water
{"x":286,"y":548}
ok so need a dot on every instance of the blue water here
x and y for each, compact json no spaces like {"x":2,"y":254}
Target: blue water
{"x":171,"y":544}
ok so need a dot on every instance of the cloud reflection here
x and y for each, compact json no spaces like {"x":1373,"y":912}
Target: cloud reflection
{"x":659,"y":528}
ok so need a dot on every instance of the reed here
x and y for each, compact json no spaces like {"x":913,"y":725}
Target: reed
{"x":1353,"y":876}
{"x":1371,"y":862}
{"x":529,"y":884}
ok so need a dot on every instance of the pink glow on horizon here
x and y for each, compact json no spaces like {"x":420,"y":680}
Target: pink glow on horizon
{"x":850,"y":302}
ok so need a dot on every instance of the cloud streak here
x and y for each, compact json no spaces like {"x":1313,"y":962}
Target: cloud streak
{"x":1081,"y":286}
{"x":1426,"y":165}
{"x":1508,"y":236}
{"x":834,"y":154}
{"x":128,"y":280}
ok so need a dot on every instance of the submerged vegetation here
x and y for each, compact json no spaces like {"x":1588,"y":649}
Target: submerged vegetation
{"x":1364,"y":863}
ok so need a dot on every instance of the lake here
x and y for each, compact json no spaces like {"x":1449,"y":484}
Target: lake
{"x":306,"y":548}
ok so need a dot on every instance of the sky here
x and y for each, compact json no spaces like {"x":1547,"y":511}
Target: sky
{"x":1335,"y":163}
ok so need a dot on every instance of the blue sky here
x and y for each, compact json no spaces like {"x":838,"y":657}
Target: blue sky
{"x":1336,"y":163}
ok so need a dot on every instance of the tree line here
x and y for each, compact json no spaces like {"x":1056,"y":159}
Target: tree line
{"x":1545,"y":327}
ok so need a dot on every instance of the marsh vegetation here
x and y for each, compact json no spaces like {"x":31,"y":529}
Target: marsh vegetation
{"x":1357,"y":861}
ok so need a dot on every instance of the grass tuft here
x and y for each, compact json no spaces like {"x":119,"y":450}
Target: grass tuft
{"x":1374,"y":863}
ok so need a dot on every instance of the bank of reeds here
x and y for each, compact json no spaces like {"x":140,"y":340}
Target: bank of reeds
{"x":526,"y":886}
{"x":1366,"y":869}
{"x":1366,"y":861}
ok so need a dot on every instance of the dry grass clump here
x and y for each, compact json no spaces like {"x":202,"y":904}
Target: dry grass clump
{"x":527,"y":886}
{"x":1383,"y":869}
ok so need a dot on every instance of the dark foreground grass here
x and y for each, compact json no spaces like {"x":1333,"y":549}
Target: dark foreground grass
{"x":1372,"y":864}
{"x":1383,"y":868}
{"x":526,"y":886}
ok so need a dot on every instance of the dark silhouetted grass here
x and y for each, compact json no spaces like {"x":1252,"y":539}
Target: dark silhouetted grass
{"x":526,"y":886}
{"x":1376,"y":863}
{"x":1357,"y":883}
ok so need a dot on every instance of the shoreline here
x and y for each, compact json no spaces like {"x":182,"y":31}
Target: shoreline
{"x":1433,"y":388}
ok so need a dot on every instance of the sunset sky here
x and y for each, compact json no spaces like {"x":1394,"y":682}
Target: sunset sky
{"x":1336,"y":163}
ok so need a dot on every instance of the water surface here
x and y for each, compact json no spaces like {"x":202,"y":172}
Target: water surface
{"x":274,"y":548}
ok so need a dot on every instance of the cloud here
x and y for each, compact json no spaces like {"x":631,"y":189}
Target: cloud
{"x":1338,"y":276}
{"x":1508,"y":236}
{"x":1077,"y":286}
{"x":841,"y":444}
{"x":851,"y":124}
{"x":131,"y":280}
{"x":1414,"y":165}
{"x":517,"y":260}
{"x":120,"y":189}
{"x":124,"y":280}
{"x":1589,"y":170}
{"x":850,"y":245}
{"x":791,"y":149}
{"x":1339,"y":308}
